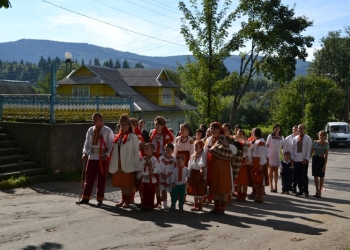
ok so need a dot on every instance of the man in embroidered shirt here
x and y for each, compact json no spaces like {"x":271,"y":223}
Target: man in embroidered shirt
{"x":97,"y":149}
{"x":301,"y":150}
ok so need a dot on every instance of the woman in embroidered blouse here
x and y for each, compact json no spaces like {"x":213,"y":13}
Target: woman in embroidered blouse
{"x":219,"y":170}
{"x":319,"y":154}
{"x":274,"y":145}
{"x":125,"y":160}
{"x":184,"y":144}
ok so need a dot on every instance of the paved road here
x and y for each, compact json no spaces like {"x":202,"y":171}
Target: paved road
{"x":44,"y":216}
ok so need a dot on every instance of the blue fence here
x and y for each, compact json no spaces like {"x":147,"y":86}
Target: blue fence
{"x":62,"y":108}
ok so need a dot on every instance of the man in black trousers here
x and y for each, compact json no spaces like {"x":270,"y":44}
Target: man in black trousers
{"x":301,"y":150}
{"x":144,"y":132}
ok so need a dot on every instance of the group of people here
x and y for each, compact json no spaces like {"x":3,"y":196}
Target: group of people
{"x":212,"y":165}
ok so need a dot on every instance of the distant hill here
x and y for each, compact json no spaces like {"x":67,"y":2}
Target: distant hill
{"x":31,"y":50}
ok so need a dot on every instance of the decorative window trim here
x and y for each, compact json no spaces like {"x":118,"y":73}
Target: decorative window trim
{"x":167,"y":96}
{"x":81,"y":90}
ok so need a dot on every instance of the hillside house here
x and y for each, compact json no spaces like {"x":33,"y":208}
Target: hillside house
{"x":151,"y":91}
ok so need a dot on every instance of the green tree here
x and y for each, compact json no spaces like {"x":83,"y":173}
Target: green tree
{"x":117,"y":64}
{"x":322,"y":97}
{"x":274,"y":40}
{"x":210,"y":46}
{"x":139,"y":65}
{"x":333,"y":60}
{"x":97,"y":62}
{"x":270,"y":34}
{"x":5,"y":3}
{"x":126,"y":64}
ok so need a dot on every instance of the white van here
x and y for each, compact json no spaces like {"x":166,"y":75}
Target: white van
{"x":338,"y":133}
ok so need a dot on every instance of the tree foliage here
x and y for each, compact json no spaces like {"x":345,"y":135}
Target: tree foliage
{"x":270,"y":35}
{"x":210,"y":45}
{"x":333,"y":60}
{"x":322,"y":97}
{"x":139,"y":65}
{"x":5,"y":3}
{"x":126,"y":64}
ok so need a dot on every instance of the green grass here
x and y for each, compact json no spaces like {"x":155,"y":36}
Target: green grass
{"x":23,"y":180}
{"x":14,"y":182}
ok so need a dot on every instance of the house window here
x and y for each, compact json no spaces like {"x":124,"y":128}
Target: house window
{"x":167,"y":96}
{"x":149,"y":126}
{"x":81,"y":91}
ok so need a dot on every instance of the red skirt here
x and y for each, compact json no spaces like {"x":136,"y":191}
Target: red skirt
{"x":196,"y":184}
{"x":259,"y":178}
{"x":242,"y":176}
{"x":220,"y":176}
{"x":121,"y":179}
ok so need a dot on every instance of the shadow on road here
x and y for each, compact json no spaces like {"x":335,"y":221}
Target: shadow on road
{"x":45,"y":246}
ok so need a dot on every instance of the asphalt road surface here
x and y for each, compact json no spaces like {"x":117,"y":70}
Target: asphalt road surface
{"x":45,"y":216}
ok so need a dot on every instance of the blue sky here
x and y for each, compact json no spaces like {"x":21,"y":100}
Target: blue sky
{"x":36,"y":19}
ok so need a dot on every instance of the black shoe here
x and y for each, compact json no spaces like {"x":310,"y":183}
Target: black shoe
{"x":82,"y":201}
{"x":298,"y":194}
{"x":306,"y":195}
{"x":99,"y":203}
{"x":294,"y":191}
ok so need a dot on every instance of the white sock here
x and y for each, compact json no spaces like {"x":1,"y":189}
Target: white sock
{"x":165,"y":203}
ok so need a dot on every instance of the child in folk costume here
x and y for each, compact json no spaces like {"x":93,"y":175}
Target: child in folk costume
{"x":159,"y":138}
{"x":253,"y":194}
{"x":197,"y":179}
{"x":286,"y":172}
{"x":167,"y":163}
{"x":259,"y":172}
{"x":244,"y":177}
{"x":149,"y":166}
{"x":274,"y":145}
{"x":137,"y":132}
{"x":178,"y":180}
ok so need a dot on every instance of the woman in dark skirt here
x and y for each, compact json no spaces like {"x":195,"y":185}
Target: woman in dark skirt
{"x":319,"y":154}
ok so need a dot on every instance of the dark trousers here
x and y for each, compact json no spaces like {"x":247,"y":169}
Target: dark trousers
{"x":178,"y":193}
{"x":286,"y":182}
{"x":149,"y":191}
{"x":294,"y":181}
{"x":92,"y":170}
{"x":301,"y":176}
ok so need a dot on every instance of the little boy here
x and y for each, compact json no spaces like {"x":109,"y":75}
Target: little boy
{"x":286,"y":172}
{"x":179,"y":177}
{"x":167,"y":164}
{"x":149,"y":166}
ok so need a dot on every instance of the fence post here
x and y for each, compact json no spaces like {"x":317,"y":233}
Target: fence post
{"x":53,"y":93}
{"x":131,"y":106}
{"x":1,"y":105}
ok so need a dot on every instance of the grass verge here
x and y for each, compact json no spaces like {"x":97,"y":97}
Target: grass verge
{"x":23,"y":180}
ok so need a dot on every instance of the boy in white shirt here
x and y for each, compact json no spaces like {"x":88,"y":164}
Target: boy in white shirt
{"x":179,"y":178}
{"x":149,"y":166}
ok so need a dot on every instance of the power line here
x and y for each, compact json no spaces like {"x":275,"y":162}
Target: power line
{"x":150,"y":10}
{"x":165,"y":5}
{"x":113,"y":25}
{"x":176,"y":12}
{"x":134,"y":15}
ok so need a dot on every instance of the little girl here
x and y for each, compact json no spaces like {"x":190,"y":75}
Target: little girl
{"x":167,"y":163}
{"x":242,"y":181}
{"x":197,"y":179}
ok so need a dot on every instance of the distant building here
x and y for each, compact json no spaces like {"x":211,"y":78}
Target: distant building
{"x":16,"y":87}
{"x":151,"y":91}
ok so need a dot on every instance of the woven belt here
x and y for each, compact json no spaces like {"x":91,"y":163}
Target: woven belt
{"x":96,"y":151}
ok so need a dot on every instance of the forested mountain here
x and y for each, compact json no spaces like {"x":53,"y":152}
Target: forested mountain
{"x":30,"y":50}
